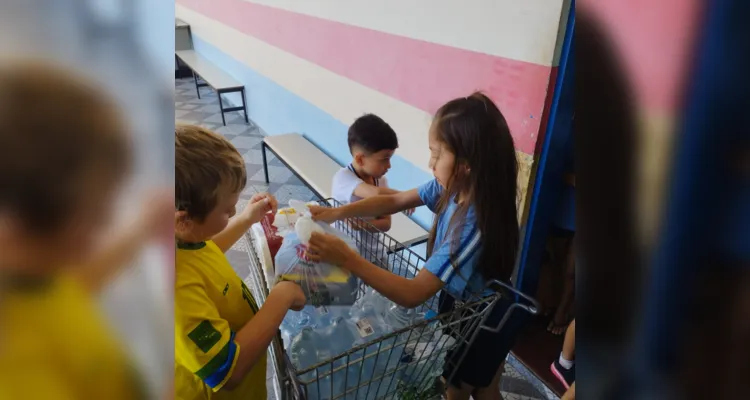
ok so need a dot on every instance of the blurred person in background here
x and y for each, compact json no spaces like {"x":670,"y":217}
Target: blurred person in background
{"x":64,"y":153}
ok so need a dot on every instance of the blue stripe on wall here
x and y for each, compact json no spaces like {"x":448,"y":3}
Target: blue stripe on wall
{"x":277,"y":111}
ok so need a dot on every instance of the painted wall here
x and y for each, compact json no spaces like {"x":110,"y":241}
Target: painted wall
{"x":313,"y":67}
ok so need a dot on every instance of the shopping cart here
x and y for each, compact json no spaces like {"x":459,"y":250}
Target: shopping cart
{"x":404,"y":364}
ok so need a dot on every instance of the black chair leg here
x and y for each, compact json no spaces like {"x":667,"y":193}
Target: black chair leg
{"x":221,"y":107}
{"x":197,"y":88}
{"x":244,"y":106}
{"x":265,"y":162}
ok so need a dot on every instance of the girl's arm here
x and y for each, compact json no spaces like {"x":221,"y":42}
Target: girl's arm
{"x":365,"y":191}
{"x":372,"y":207}
{"x":405,"y":292}
{"x":375,"y":225}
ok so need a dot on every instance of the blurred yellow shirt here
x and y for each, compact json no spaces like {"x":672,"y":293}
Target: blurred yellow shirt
{"x":211,"y":304}
{"x":56,"y":344}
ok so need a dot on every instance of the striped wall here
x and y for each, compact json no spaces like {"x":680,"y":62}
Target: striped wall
{"x":314,"y":66}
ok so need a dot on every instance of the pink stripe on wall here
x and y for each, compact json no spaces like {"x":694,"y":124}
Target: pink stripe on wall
{"x":422,"y":74}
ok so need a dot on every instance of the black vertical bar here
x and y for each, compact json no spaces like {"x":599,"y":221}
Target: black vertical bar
{"x":265,"y":162}
{"x":221,"y":107}
{"x":197,"y":88}
{"x":244,"y":105}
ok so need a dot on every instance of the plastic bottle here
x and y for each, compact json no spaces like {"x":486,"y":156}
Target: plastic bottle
{"x":295,"y":321}
{"x":340,"y":337}
{"x":303,"y":352}
{"x":325,"y":315}
{"x":398,"y":317}
{"x":426,"y":356}
{"x":372,"y":301}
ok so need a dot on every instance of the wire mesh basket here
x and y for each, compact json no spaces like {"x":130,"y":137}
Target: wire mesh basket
{"x":405,"y":363}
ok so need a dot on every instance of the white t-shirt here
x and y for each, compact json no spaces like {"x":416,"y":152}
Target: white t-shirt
{"x":344,"y":183}
{"x":346,"y":180}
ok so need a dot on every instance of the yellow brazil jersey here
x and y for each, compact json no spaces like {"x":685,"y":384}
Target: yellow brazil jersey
{"x":212,"y":303}
{"x":55,"y":344}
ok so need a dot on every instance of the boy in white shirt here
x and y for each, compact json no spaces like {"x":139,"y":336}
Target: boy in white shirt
{"x":372,"y":143}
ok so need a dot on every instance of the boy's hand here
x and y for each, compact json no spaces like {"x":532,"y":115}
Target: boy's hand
{"x":324,"y":214}
{"x":329,"y":248}
{"x":259,"y":205}
{"x":293,"y":292}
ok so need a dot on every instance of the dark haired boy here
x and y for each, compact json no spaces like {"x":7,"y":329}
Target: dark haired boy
{"x":372,"y":143}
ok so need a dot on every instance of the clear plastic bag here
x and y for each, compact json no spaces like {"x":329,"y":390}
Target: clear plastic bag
{"x":323,"y":283}
{"x":286,"y":218}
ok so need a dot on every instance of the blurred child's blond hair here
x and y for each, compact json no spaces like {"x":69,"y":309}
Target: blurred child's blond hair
{"x":58,"y":134}
{"x":205,"y":164}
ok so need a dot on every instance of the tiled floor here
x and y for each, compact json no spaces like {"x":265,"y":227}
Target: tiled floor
{"x":284,"y":185}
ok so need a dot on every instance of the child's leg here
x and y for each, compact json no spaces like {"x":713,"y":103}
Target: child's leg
{"x":569,"y":345}
{"x":560,"y":320}
{"x":545,"y":289}
{"x":491,"y":392}
{"x":564,"y":367}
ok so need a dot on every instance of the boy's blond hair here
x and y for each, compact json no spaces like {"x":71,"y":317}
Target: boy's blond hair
{"x":205,"y":163}
{"x":58,"y":134}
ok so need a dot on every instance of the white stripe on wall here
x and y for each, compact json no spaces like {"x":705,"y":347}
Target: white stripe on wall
{"x":524,"y":30}
{"x":318,"y":85}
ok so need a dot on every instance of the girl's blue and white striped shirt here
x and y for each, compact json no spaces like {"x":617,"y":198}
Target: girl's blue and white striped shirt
{"x":462,"y":279}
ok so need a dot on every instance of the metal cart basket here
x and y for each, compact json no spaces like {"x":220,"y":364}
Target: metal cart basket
{"x":405,"y":364}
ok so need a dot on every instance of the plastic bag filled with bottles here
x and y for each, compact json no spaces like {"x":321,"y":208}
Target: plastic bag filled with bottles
{"x":323,"y":283}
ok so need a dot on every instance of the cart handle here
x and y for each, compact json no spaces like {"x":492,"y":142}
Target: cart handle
{"x":532,"y":309}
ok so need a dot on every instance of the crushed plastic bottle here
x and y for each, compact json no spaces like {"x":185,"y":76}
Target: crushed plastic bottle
{"x":426,"y":357}
{"x":373,"y":300}
{"x":303,"y":352}
{"x":295,"y":321}
{"x":325,"y":315}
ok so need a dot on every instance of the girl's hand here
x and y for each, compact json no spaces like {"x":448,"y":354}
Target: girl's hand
{"x":410,"y":212}
{"x":259,"y":205}
{"x":325,"y":214}
{"x":329,"y":248}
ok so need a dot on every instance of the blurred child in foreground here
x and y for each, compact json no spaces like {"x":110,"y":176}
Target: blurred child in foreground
{"x":64,"y":153}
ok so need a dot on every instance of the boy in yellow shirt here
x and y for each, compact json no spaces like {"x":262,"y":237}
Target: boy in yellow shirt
{"x":63,"y":155}
{"x":221,"y":336}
